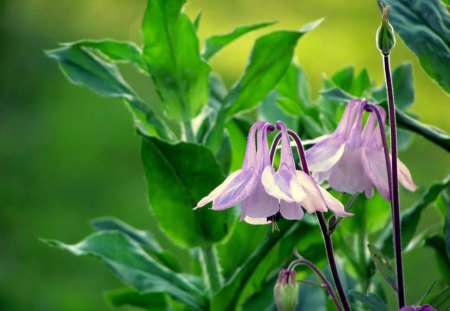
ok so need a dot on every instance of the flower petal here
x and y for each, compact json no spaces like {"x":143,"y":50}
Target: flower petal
{"x":374,"y":164}
{"x":404,"y":176}
{"x":313,"y":201}
{"x":256,"y":221}
{"x":324,"y":155}
{"x":250,"y":158}
{"x":220,"y":189}
{"x":260,"y":204}
{"x":291,"y":211}
{"x":235,"y":190}
{"x":348,"y":174}
{"x":333,"y":204}
{"x":275,"y":185}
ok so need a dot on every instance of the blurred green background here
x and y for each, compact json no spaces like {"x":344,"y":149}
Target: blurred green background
{"x":68,"y":156}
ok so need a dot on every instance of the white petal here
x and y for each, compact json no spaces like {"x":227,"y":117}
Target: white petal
{"x":333,"y":204}
{"x":275,"y":185}
{"x":313,"y":201}
{"x":256,"y":221}
{"x":324,"y":155}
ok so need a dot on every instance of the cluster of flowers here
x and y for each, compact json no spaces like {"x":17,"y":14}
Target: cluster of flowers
{"x":351,"y":159}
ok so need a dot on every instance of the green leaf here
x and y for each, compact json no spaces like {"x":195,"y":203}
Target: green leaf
{"x":116,"y":51}
{"x":419,"y":21}
{"x":361,"y":84}
{"x":410,"y":218}
{"x":374,"y":302}
{"x":403,"y":84}
{"x":131,"y":297}
{"x":178,"y":176}
{"x":440,"y":301}
{"x":171,"y":50}
{"x":294,"y":91}
{"x":269,"y":60}
{"x":133,"y":266}
{"x":439,"y":245}
{"x":383,"y":266}
{"x":215,"y":43}
{"x":84,"y":68}
{"x":344,"y":78}
{"x":144,"y":238}
{"x":336,"y":94}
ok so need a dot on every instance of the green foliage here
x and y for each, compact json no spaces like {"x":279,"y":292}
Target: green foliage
{"x":176,"y":176}
{"x":171,"y":50}
{"x":429,"y":21}
{"x":133,"y":266}
{"x":190,"y":148}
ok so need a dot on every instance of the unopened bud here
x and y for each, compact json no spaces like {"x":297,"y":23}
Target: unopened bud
{"x":385,"y":34}
{"x":286,"y":290}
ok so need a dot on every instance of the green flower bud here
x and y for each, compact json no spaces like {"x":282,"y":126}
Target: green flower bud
{"x":385,"y":34}
{"x":286,"y":290}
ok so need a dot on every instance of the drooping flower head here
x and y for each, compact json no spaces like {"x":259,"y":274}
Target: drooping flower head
{"x":265,"y":194}
{"x":352,"y":158}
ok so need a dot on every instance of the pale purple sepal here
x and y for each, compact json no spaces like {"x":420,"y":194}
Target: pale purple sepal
{"x":420,"y":308}
{"x":352,"y":158}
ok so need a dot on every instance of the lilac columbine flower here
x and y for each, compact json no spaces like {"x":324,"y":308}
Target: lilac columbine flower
{"x":414,"y":308}
{"x":263,"y":198}
{"x":295,"y":189}
{"x":352,"y":158}
{"x":244,"y":186}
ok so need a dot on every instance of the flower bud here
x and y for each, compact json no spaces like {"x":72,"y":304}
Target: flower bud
{"x":385,"y":34}
{"x":286,"y":290}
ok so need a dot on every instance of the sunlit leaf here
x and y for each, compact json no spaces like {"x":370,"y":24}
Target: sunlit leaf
{"x":383,"y":266}
{"x":178,"y":176}
{"x":171,"y":49}
{"x":269,"y":60}
{"x":217,"y":42}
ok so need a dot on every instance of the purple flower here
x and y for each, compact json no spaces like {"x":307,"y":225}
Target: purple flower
{"x":262,"y":192}
{"x":414,"y":308}
{"x":296,"y":189}
{"x":352,"y":158}
{"x":244,"y":186}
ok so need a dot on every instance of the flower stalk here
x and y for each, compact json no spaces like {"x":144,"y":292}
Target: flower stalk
{"x":325,"y":281}
{"x":211,"y":268}
{"x":385,"y":43}
{"x":324,"y":228}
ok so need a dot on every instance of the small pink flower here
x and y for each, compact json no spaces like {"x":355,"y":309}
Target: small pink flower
{"x":352,"y":158}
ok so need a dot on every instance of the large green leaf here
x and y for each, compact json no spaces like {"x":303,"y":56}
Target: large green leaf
{"x":117,"y":51}
{"x":131,"y":297}
{"x":144,"y":238}
{"x":410,"y":218}
{"x":178,"y":176}
{"x":215,"y":43}
{"x":420,"y":22}
{"x":383,"y":266}
{"x":83,"y":67}
{"x":269,"y":60}
{"x":133,"y":266}
{"x":171,"y":49}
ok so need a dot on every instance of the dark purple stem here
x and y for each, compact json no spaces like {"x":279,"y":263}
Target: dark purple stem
{"x":324,"y":228}
{"x":395,"y":202}
{"x":321,"y":276}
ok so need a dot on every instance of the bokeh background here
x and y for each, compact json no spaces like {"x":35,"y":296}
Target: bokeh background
{"x":68,"y":155}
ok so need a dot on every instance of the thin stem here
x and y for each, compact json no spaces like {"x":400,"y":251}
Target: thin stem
{"x":395,"y":202}
{"x":211,"y":268}
{"x":321,"y":276}
{"x":324,"y":228}
{"x":188,"y":132}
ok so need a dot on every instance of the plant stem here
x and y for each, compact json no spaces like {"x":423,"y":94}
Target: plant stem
{"x":321,"y":276}
{"x":211,"y":268}
{"x":188,"y":132}
{"x":324,"y":228}
{"x":395,"y":202}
